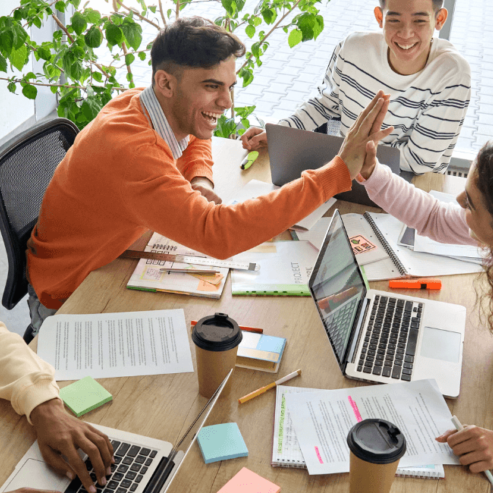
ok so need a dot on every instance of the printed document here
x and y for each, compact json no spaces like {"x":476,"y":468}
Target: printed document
{"x":108,"y":345}
{"x":323,"y":418}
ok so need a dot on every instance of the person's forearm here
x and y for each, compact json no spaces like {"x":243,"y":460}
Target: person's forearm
{"x":440,"y":221}
{"x":25,"y":379}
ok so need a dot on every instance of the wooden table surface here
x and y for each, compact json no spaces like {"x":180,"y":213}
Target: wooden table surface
{"x":163,"y":406}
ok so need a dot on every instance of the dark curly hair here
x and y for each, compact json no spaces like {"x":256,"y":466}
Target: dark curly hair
{"x":484,"y":182}
{"x":193,"y":42}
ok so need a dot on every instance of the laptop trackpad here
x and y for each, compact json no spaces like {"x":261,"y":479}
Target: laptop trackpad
{"x":37,"y":474}
{"x":441,"y":344}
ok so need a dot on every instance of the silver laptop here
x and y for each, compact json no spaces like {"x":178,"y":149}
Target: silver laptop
{"x":380,"y":336}
{"x":292,"y":151}
{"x":142,"y":464}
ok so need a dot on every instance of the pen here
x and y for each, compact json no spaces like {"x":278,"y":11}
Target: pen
{"x":242,"y":327}
{"x":416,"y":284}
{"x":190,"y":271}
{"x":459,"y":427}
{"x":255,"y":393}
{"x":249,"y":160}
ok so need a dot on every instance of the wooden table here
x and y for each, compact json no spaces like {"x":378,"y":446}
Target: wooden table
{"x":163,"y":406}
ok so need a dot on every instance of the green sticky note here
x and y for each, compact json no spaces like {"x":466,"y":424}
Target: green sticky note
{"x":221,"y":442}
{"x":84,"y":396}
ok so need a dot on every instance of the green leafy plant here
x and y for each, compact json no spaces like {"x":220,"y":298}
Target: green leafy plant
{"x":71,"y":66}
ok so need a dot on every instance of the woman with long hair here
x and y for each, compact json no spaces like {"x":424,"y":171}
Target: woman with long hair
{"x":469,"y":224}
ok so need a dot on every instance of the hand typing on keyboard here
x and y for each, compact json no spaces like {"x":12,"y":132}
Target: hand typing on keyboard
{"x":60,"y":434}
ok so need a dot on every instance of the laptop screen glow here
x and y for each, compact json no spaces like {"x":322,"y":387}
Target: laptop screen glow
{"x":337,"y":286}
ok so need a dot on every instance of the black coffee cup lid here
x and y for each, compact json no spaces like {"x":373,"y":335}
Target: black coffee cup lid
{"x":217,"y":333}
{"x":376,"y":441}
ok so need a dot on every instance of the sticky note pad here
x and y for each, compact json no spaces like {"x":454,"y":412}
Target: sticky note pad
{"x":247,"y":481}
{"x":221,"y":442}
{"x":84,"y":396}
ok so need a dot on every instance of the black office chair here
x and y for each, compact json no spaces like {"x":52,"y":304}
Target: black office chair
{"x":27,"y":164}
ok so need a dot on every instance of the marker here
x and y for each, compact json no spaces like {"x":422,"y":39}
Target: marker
{"x":242,"y":327}
{"x":416,"y":284}
{"x":459,"y":427}
{"x":255,"y":393}
{"x":249,"y":160}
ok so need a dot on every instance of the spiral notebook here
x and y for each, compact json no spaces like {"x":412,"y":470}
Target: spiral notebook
{"x":286,"y":451}
{"x":389,"y":260}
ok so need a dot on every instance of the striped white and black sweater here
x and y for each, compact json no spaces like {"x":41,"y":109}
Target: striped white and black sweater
{"x":427,"y":109}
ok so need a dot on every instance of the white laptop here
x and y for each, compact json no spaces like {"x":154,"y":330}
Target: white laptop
{"x":142,"y":464}
{"x":380,"y":336}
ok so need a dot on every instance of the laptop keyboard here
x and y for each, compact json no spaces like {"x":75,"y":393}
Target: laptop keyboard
{"x":131,"y":463}
{"x":390,"y":341}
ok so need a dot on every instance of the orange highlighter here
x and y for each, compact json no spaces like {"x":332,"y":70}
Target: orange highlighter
{"x":416,"y":284}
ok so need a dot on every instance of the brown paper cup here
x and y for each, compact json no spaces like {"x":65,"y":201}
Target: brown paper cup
{"x":365,"y":477}
{"x":212,"y":368}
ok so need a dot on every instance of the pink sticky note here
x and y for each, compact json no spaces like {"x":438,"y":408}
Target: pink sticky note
{"x":247,"y":481}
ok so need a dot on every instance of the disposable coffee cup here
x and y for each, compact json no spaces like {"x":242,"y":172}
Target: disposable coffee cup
{"x":376,"y":447}
{"x":216,"y":340}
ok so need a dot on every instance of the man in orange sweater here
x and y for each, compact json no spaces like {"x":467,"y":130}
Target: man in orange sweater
{"x":145,"y":163}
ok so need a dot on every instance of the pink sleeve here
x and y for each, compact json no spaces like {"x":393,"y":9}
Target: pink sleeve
{"x":430,"y":217}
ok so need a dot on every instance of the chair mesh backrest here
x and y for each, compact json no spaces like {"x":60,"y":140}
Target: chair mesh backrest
{"x":27,"y":164}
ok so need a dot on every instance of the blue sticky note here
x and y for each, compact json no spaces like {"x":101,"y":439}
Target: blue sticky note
{"x":271,"y":344}
{"x":221,"y":442}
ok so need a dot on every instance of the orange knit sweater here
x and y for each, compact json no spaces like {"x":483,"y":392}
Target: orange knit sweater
{"x":119,"y":180}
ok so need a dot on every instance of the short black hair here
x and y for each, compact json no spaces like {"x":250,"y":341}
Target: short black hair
{"x":437,"y":4}
{"x":193,"y":42}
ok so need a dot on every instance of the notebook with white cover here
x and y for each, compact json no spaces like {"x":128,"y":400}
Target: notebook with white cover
{"x":399,"y":261}
{"x":256,"y":188}
{"x":286,"y":451}
{"x":283,"y":273}
{"x":147,"y":276}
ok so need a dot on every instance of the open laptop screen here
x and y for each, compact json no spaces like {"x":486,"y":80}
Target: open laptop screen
{"x":337,"y":286}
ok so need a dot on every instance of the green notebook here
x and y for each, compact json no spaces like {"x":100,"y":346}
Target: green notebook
{"x":84,"y":396}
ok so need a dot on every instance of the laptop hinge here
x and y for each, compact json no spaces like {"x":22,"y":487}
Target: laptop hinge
{"x":160,"y":475}
{"x":358,"y":332}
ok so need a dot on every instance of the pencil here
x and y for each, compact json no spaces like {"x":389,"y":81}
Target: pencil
{"x":255,"y":393}
{"x":459,"y":427}
{"x":242,"y":327}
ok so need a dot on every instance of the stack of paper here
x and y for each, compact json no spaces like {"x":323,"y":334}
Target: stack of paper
{"x":323,"y":418}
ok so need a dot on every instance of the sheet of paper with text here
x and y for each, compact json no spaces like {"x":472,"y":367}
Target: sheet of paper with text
{"x":106,"y":345}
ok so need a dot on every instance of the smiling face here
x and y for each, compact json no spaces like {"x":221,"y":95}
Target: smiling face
{"x":479,"y":220}
{"x":408,"y":27}
{"x":193,"y":99}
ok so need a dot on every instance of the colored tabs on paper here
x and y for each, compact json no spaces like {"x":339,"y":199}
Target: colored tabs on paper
{"x":247,"y":481}
{"x":221,"y":442}
{"x":84,"y":395}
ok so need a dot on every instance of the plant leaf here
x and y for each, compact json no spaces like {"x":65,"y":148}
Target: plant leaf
{"x":29,"y":91}
{"x":93,"y":37}
{"x":295,"y":37}
{"x":79,"y":23}
{"x":3,"y":64}
{"x":129,"y":58}
{"x":92,"y":16}
{"x":60,"y":6}
{"x":18,"y":58}
{"x":250,"y":31}
{"x":114,"y":34}
{"x":133,"y":33}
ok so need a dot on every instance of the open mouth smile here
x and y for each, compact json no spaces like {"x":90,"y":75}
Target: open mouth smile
{"x":211,"y":117}
{"x":406,"y":47}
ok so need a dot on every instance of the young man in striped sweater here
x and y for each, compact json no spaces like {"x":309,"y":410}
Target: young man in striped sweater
{"x":428,"y":80}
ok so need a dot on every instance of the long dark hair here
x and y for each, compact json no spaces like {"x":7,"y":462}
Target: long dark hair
{"x":484,"y":181}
